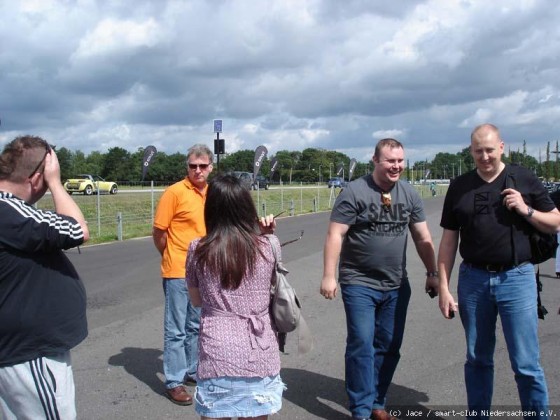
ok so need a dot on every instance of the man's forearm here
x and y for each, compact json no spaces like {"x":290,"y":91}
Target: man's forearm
{"x":65,"y":205}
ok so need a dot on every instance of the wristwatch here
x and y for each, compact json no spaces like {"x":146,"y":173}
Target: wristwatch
{"x":530,"y":212}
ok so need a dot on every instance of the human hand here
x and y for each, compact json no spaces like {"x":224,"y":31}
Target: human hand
{"x":267,"y":224}
{"x":513,"y":200}
{"x":432,"y":286}
{"x":447,"y":305}
{"x":328,"y":288}
{"x":52,"y":168}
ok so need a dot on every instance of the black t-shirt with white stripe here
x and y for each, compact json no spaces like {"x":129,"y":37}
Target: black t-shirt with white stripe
{"x":42,"y":299}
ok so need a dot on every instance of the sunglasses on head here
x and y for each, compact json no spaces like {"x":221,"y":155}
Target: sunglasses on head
{"x":195,"y":166}
{"x":386,"y":200}
{"x":48,"y":149}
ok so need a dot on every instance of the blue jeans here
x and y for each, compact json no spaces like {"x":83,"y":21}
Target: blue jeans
{"x":511,"y":294}
{"x":180,"y":337}
{"x":375,"y":324}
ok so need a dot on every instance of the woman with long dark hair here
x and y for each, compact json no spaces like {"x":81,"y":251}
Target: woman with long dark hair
{"x":229,"y":273}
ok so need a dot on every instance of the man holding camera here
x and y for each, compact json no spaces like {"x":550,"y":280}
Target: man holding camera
{"x":496,"y":277}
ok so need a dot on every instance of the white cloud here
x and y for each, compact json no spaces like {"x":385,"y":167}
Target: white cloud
{"x":287,"y":74}
{"x":112,"y":36}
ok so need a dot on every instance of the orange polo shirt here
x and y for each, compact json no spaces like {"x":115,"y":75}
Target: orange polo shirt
{"x":180,"y":212}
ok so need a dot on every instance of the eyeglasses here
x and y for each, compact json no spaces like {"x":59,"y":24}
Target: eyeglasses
{"x":386,"y":200}
{"x":48,"y":148}
{"x":202,"y":166}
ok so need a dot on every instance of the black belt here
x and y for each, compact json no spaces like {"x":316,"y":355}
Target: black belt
{"x":495,"y":268}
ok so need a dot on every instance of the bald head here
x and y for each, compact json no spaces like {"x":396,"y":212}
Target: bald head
{"x":487,"y":149}
{"x":484,"y":131}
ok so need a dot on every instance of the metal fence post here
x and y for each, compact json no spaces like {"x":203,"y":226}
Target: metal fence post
{"x":119,"y":226}
{"x":292,"y":207}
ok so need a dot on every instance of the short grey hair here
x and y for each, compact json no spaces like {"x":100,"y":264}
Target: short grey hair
{"x":200,"y":150}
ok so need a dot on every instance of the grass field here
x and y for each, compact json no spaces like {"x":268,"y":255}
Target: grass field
{"x":129,"y":215}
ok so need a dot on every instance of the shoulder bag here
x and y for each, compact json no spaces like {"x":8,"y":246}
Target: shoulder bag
{"x":285,"y":307}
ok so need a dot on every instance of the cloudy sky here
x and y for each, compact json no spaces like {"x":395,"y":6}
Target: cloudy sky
{"x":288,"y":74}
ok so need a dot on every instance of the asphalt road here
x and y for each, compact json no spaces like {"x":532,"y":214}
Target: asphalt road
{"x":118,"y":369}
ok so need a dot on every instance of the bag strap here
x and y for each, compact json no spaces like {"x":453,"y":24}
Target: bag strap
{"x":510,"y":183}
{"x":275,"y":253}
{"x":541,"y":310}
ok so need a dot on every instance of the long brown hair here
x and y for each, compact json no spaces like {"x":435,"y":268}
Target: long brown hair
{"x":229,"y":249}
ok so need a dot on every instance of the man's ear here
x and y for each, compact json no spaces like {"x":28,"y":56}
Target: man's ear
{"x":34,"y":181}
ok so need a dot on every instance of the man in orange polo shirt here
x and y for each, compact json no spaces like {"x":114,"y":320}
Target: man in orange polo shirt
{"x":179,"y":219}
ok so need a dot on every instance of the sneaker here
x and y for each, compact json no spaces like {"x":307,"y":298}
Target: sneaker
{"x":179,"y":395}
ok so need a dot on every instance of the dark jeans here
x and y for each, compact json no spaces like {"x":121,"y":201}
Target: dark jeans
{"x":375,"y":322}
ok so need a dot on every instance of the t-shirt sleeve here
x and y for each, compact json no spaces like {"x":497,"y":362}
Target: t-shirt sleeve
{"x":418,"y":215}
{"x":165,"y":210}
{"x":344,"y":210}
{"x":448,"y":219}
{"x":32,"y":230}
{"x":540,"y":199}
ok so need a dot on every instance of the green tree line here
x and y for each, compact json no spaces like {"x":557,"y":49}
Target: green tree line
{"x":309,"y":166}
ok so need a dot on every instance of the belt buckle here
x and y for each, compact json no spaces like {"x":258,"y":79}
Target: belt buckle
{"x":492,"y":268}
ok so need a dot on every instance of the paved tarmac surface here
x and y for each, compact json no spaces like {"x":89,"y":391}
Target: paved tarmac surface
{"x":118,"y":369}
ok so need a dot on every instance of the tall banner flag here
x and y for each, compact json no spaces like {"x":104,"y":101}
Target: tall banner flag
{"x":260,"y":155}
{"x":149,"y":155}
{"x":351,"y":168}
{"x":339,"y":169}
{"x":273,"y":165}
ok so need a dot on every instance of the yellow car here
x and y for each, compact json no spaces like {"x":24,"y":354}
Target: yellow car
{"x":90,"y":184}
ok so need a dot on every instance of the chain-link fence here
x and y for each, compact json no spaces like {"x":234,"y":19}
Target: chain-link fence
{"x":130,"y":213}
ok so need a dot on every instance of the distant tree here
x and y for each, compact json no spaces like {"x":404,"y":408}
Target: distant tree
{"x":65,"y":160}
{"x":117,"y":165}
{"x":241,"y":160}
{"x":287,"y":162}
{"x":556,"y":162}
{"x":175,"y":167}
{"x":467,"y":162}
{"x":93,"y":164}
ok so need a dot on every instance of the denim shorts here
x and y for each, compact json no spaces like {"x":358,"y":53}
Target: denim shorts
{"x":238,"y":397}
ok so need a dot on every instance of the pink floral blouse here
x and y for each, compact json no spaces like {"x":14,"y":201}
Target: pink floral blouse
{"x":236,"y":337}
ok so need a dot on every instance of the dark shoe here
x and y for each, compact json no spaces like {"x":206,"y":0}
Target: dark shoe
{"x":189,"y":380}
{"x":179,"y":395}
{"x":381,"y":415}
{"x":557,"y":275}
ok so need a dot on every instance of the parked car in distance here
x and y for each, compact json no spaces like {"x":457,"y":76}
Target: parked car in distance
{"x":336,"y":183}
{"x":551,"y":186}
{"x":261,"y":183}
{"x":90,"y":184}
{"x":245,"y":177}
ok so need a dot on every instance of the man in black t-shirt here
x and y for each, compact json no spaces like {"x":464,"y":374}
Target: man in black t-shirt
{"x":491,"y":224}
{"x":42,"y":299}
